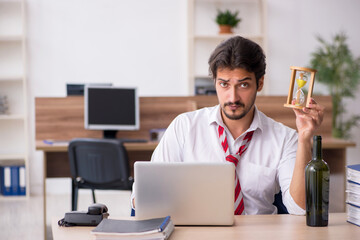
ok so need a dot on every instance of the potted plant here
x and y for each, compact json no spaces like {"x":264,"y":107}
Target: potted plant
{"x":340,"y":71}
{"x":227,"y":20}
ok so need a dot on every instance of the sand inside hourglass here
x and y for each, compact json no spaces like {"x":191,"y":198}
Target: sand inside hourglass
{"x":299,"y":98}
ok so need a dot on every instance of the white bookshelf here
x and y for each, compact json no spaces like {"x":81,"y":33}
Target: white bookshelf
{"x":13,"y":123}
{"x":203,"y":34}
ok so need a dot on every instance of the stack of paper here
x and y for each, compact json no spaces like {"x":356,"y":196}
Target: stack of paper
{"x":157,"y":228}
{"x":353,"y":194}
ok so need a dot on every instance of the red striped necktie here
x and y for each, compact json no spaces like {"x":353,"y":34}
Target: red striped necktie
{"x":234,"y":158}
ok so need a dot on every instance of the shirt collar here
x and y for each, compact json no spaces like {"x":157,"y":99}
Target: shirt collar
{"x":215,"y":118}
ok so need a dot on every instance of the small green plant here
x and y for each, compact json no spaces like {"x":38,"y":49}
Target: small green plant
{"x":340,"y":71}
{"x":227,"y":18}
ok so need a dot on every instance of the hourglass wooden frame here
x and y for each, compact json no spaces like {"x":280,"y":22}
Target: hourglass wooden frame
{"x":289,"y":103}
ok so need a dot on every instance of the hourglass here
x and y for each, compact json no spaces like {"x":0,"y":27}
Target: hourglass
{"x":299,"y":98}
{"x":296,"y":97}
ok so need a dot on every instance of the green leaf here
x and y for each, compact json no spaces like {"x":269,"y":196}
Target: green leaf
{"x":227,"y":18}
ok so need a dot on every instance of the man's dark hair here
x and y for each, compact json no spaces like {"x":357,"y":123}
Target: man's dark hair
{"x":238,"y":52}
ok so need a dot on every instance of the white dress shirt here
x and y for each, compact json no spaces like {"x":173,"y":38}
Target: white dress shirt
{"x":265,"y":167}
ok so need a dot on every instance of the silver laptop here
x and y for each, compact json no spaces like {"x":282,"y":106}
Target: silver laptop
{"x":191,"y":193}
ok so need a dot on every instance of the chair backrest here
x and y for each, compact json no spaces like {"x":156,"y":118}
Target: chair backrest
{"x":279,"y":204}
{"x":99,"y":161}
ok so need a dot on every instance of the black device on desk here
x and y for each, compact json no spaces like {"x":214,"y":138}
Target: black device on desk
{"x":95,"y":214}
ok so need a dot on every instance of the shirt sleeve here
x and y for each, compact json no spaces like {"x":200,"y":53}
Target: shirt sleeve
{"x":170,"y":147}
{"x":286,"y":169}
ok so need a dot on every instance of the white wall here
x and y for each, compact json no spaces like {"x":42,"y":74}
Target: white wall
{"x":143,"y":43}
{"x":292,"y":28}
{"x":128,"y":43}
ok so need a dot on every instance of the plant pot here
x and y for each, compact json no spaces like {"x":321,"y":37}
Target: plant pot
{"x":225,"y":29}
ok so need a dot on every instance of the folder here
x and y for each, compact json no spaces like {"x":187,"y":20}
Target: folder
{"x":13,"y":180}
{"x":22,"y":181}
{"x":6,"y":189}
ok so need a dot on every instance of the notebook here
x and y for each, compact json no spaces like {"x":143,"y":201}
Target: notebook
{"x":157,"y":228}
{"x":191,"y":193}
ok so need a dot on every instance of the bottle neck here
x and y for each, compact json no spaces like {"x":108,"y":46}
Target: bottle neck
{"x":317,"y":148}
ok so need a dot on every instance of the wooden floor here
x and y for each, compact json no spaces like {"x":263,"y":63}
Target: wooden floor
{"x":22,"y":219}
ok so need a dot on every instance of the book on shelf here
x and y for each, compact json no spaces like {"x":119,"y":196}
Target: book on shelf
{"x":353,"y":194}
{"x":12,"y":180}
{"x":156,"y":228}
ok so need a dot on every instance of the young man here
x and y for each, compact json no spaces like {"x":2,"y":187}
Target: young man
{"x":269,"y":156}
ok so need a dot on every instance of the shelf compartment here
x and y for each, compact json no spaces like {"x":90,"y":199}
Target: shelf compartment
{"x":14,"y":90}
{"x":13,"y":139}
{"x":202,"y":51}
{"x":11,"y":22}
{"x":249,"y":12}
{"x":11,"y":59}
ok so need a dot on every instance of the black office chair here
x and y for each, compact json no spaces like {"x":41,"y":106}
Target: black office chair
{"x":98,"y":164}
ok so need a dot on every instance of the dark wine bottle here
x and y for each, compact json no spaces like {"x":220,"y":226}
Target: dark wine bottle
{"x":317,"y":176}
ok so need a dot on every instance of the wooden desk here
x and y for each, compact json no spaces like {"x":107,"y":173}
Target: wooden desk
{"x":246,"y":227}
{"x":56,"y":161}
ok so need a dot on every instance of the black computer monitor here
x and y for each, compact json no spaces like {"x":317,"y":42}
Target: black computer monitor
{"x":111,"y":109}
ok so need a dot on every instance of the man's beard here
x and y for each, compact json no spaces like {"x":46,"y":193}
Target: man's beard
{"x":239,"y":104}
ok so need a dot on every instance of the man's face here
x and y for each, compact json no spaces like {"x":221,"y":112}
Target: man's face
{"x":236,"y":90}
